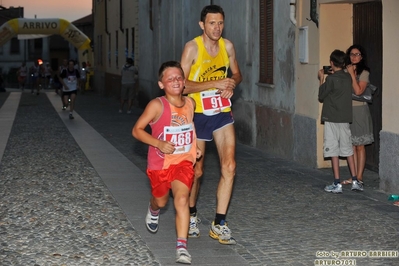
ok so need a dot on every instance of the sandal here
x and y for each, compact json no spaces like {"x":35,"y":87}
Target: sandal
{"x":346,"y":182}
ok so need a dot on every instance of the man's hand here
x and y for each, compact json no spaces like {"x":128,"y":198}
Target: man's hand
{"x":225,"y":87}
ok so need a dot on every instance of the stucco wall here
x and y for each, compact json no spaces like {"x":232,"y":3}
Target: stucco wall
{"x":389,"y":136}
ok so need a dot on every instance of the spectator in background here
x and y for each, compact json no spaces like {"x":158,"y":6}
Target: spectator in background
{"x":128,"y":88}
{"x":83,"y":77}
{"x":35,"y":77}
{"x":47,"y":76}
{"x":22,"y":74}
{"x":69,"y":78}
{"x":362,"y":124}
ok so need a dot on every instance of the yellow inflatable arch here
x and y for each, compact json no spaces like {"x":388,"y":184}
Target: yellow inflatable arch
{"x":44,"y":26}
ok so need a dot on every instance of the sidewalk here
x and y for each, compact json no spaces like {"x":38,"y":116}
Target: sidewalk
{"x":279,"y":213}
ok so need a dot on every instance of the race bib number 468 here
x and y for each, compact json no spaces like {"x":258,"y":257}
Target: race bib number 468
{"x":181,"y":136}
{"x":212,"y":103}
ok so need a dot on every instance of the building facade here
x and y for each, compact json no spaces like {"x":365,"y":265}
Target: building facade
{"x":280,"y":46}
{"x":115,"y":38}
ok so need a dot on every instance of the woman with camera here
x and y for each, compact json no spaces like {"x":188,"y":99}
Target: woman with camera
{"x":362,"y":125}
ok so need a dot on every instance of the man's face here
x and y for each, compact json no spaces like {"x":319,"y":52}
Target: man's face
{"x":213,"y":26}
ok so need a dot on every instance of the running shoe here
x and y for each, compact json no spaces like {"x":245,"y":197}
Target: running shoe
{"x":222,"y":233}
{"x":193,"y":230}
{"x":334,"y":188}
{"x":151,"y":221}
{"x":357,"y":185}
{"x":182,"y":256}
{"x":71,"y":116}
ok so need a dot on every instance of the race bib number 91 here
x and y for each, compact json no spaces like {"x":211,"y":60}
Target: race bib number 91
{"x":181,"y":136}
{"x":212,"y":103}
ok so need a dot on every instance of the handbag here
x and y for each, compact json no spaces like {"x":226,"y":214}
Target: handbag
{"x":367,"y":95}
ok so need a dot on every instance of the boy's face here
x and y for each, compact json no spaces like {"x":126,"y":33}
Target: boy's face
{"x":172,"y":81}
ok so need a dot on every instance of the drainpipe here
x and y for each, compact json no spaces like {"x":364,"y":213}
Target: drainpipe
{"x":106,"y":17}
{"x":121,"y":15}
{"x":293,"y":11}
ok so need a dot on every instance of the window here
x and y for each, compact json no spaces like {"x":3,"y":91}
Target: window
{"x":266,"y":41}
{"x":38,"y":44}
{"x":101,"y":51}
{"x":116,"y":49}
{"x":109,"y":49}
{"x":14,"y":46}
{"x":133,"y":41}
{"x":127,"y":43}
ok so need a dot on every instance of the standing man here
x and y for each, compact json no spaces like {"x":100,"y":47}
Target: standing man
{"x":128,"y":88}
{"x":69,"y":78}
{"x":83,"y":77}
{"x":47,"y":76}
{"x":35,"y":77}
{"x":205,"y":61}
{"x":22,"y":74}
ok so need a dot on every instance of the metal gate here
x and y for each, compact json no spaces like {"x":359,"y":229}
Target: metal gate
{"x":367,"y":31}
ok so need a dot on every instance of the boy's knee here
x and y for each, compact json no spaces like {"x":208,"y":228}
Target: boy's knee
{"x":198,"y":172}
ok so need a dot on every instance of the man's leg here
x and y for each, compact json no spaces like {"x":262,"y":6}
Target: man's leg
{"x":72,"y":104}
{"x":225,"y":143}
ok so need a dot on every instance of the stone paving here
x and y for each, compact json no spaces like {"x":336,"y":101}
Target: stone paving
{"x":54,"y":203}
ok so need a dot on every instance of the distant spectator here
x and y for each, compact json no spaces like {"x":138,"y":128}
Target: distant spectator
{"x":47,"y":76}
{"x":70,"y":81}
{"x":83,"y":77}
{"x":35,"y":74}
{"x":128,"y":88}
{"x":22,"y":74}
{"x":336,"y":95}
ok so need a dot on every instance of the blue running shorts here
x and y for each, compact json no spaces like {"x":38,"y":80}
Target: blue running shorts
{"x":205,"y":125}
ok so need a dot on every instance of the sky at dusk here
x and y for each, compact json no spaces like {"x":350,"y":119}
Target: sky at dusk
{"x":70,"y":10}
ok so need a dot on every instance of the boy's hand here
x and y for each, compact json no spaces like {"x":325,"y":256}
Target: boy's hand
{"x":199,"y":153}
{"x":321,"y":76}
{"x":166,"y":147}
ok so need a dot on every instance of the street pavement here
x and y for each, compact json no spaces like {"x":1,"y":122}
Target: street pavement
{"x":279,"y":213}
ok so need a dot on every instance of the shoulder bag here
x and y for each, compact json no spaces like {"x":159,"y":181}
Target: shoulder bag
{"x":367,"y":95}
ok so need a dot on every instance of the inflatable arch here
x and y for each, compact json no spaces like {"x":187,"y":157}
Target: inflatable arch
{"x":46,"y":26}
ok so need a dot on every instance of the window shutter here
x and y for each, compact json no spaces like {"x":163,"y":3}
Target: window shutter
{"x":266,"y":42}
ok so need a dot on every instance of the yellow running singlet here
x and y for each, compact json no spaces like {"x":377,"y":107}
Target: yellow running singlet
{"x":208,"y":68}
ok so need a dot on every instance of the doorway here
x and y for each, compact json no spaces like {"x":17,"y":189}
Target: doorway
{"x":367,"y":31}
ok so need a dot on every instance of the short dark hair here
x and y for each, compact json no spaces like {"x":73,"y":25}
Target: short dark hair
{"x":338,"y":58}
{"x":129,"y":60}
{"x":214,"y":9}
{"x":169,"y":64}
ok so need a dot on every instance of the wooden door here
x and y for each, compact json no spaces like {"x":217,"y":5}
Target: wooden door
{"x":367,"y":31}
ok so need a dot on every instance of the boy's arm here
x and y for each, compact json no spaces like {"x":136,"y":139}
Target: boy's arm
{"x":151,"y":113}
{"x":324,"y":89}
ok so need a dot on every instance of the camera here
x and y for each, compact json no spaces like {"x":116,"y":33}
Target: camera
{"x":327,"y":69}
